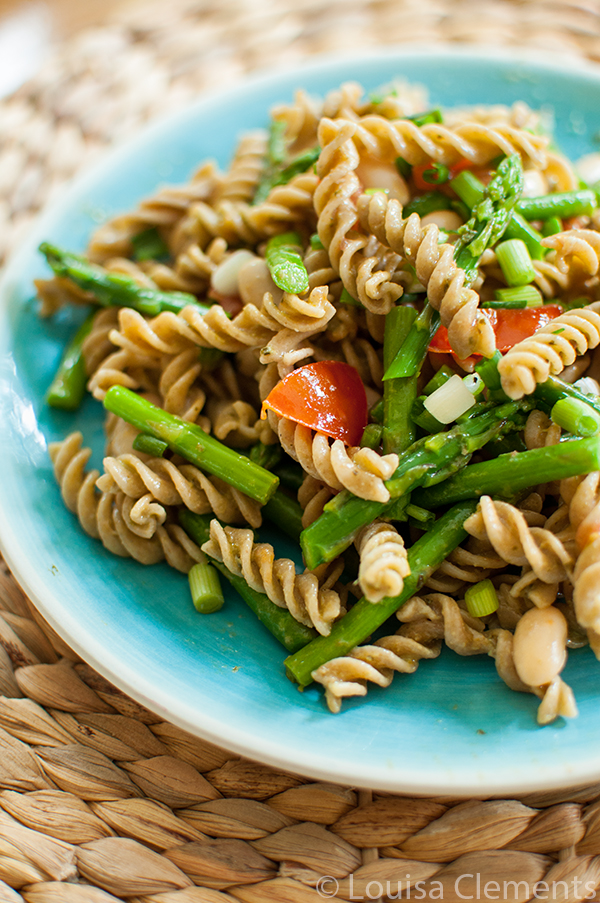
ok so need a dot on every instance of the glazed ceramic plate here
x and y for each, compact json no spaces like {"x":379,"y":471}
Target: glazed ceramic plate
{"x":452,"y":727}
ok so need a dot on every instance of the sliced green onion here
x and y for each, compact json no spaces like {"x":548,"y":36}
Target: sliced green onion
{"x":428,"y":118}
{"x":205,"y":588}
{"x":316,"y":243}
{"x":150,"y":445}
{"x":346,"y":298}
{"x":516,"y":297}
{"x":576,"y":417}
{"x":515,"y":262}
{"x":371,"y":437}
{"x":284,"y":259}
{"x":403,"y":167}
{"x":474,"y":383}
{"x":552,"y":226}
{"x":149,"y":245}
{"x":481,"y":599}
{"x":468,"y":187}
{"x":376,"y":191}
{"x":441,"y":377}
{"x":450,"y":400}
{"x":437,"y":174}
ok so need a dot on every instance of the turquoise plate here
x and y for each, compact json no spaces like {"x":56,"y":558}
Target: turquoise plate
{"x":453,"y":727}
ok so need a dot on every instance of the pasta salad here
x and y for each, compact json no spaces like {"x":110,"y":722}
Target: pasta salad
{"x":375,"y":331}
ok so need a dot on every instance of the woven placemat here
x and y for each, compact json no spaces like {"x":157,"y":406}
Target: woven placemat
{"x":101,"y":800}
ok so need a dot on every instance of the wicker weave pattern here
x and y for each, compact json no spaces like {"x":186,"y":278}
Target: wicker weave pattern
{"x":100,"y":800}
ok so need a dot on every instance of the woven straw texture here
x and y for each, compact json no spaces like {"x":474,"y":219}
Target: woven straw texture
{"x":100,"y":800}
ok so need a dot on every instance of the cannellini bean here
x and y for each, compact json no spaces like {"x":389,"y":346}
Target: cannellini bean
{"x":225,"y":278}
{"x":381,"y":175}
{"x":588,"y":167}
{"x":539,"y":646}
{"x":254,"y":279}
{"x":535,"y":183}
{"x":448,"y":220}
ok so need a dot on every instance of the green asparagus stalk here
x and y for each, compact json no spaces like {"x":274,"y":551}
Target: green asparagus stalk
{"x":205,"y":588}
{"x":268,"y":456}
{"x":509,"y":474}
{"x":285,"y":513}
{"x":149,"y":245}
{"x":67,"y":389}
{"x":427,"y":461}
{"x":278,"y":621}
{"x":490,"y":218}
{"x":398,"y":394}
{"x":277,"y":171}
{"x":364,"y":618}
{"x":283,"y":256}
{"x":193,"y":444}
{"x":562,"y":204}
{"x":115,"y":289}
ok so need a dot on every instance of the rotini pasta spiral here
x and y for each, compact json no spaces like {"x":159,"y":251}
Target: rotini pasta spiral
{"x":246,"y":168}
{"x":183,"y":484}
{"x":383,"y":561}
{"x":583,"y":497}
{"x":110,"y":517}
{"x":360,"y":470}
{"x":506,"y":528}
{"x":552,"y":348}
{"x":577,"y":251}
{"x":309,"y":602}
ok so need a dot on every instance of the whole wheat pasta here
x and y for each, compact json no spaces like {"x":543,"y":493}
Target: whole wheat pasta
{"x":305,"y":256}
{"x":383,"y":561}
{"x":246,"y":168}
{"x":309,"y":603}
{"x":506,"y":528}
{"x":183,"y":484}
{"x":107,"y":515}
{"x":552,"y":348}
{"x":362,"y":471}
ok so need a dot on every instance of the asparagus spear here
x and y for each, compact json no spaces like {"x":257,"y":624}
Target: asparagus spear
{"x":398,"y":394}
{"x":67,"y":389}
{"x":427,"y":461}
{"x":490,"y":217}
{"x":193,"y":444}
{"x":115,"y":289}
{"x":278,"y":621}
{"x":511,"y":473}
{"x":364,"y":618}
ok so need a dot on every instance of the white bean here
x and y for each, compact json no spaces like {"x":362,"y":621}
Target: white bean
{"x":539,"y":647}
{"x":375,"y":174}
{"x":447,"y":220}
{"x":535,"y":183}
{"x":225,"y":278}
{"x":254,"y":279}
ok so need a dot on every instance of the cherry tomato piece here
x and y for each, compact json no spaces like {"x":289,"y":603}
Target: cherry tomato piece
{"x":510,"y":326}
{"x":328,"y":396}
